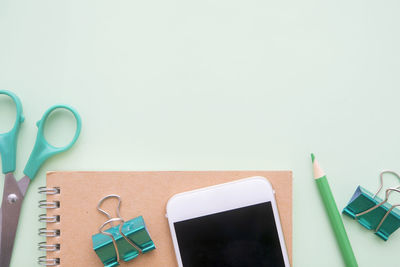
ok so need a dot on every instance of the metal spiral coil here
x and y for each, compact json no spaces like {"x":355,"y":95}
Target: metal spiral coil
{"x":48,"y":233}
{"x":49,"y":219}
{"x":49,"y":191}
{"x":48,"y":262}
{"x":43,"y":204}
{"x":43,"y":246}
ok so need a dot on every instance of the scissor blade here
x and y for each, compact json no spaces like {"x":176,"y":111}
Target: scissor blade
{"x":10,"y":210}
{"x":23,"y":184}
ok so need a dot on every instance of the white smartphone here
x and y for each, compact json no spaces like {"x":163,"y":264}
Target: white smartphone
{"x":235,"y":224}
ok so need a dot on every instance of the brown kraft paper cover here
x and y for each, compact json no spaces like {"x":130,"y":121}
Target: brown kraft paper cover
{"x":142,"y":193}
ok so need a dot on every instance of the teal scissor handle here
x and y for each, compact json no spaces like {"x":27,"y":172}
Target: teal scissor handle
{"x":8,"y":140}
{"x":42,"y":149}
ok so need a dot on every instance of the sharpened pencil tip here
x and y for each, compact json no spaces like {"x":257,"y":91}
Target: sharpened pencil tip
{"x":318,"y":172}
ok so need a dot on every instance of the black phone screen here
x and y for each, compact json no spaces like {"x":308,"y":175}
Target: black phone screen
{"x":236,"y":238}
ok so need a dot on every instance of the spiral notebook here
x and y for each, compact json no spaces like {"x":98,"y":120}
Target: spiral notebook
{"x":72,"y":217}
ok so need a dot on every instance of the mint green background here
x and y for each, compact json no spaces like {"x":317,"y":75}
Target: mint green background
{"x":214,"y":85}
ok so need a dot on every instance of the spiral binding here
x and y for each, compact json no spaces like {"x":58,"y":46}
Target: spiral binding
{"x":43,"y":246}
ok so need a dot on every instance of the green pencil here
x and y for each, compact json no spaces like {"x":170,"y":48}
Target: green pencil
{"x":334,"y":215}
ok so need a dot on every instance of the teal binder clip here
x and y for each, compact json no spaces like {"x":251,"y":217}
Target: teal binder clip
{"x":375,"y":213}
{"x":124,"y":241}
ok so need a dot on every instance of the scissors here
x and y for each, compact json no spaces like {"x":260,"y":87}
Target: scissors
{"x":14,"y":191}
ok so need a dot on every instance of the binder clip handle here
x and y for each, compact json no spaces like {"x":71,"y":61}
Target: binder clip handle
{"x":125,"y":241}
{"x":106,"y":213}
{"x":381,"y":180}
{"x":110,"y":221}
{"x":388,"y":191}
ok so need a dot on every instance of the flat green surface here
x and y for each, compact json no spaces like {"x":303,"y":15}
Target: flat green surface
{"x":211,"y":85}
